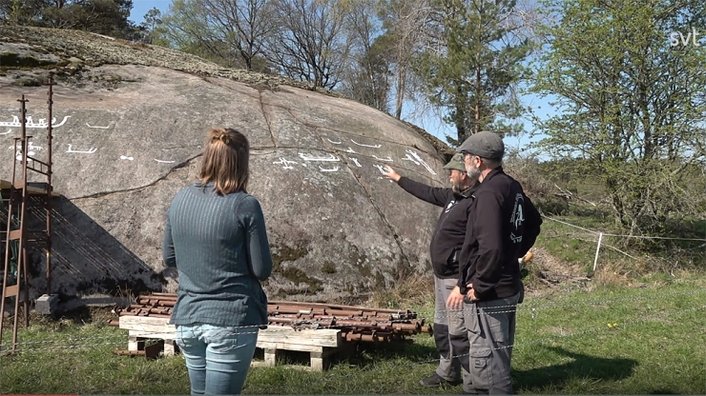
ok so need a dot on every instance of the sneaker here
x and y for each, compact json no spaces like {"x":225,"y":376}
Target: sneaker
{"x":435,"y":380}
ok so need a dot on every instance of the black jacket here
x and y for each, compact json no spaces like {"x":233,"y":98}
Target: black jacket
{"x":502,"y":226}
{"x":450,"y":229}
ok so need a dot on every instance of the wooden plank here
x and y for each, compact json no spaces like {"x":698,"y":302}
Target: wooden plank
{"x":270,"y":357}
{"x":15,"y":235}
{"x":147,"y":324}
{"x":151,"y":334}
{"x":170,"y":348}
{"x":11,"y":291}
{"x":289,"y":347}
{"x":318,"y":343}
{"x":286,"y":335}
{"x":133,"y":344}
{"x":272,"y":338}
{"x":317,"y":361}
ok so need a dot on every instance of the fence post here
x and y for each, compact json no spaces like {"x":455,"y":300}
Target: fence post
{"x":598,"y":249}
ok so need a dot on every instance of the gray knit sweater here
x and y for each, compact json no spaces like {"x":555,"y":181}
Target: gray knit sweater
{"x":219,"y":246}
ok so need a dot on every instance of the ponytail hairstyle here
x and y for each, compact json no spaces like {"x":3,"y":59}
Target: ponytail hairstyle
{"x":225,"y":161}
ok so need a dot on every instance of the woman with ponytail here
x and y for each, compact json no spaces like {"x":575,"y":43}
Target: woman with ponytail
{"x":215,"y":236}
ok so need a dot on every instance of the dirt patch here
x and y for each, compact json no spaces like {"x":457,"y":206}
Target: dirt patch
{"x":547,"y":273}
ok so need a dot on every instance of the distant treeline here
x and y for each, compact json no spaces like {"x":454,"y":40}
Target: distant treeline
{"x":622,"y":96}
{"x":108,"y":17}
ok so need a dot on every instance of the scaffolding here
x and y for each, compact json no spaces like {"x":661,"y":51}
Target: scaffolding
{"x":17,"y":197}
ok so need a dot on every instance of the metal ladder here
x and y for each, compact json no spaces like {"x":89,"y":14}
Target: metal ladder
{"x":18,"y":236}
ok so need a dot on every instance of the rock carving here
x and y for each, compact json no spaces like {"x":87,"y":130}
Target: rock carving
{"x":98,"y":127}
{"x":375,"y":146}
{"x":42,"y":123}
{"x":286,"y":164}
{"x":387,"y":159}
{"x":89,"y":151}
{"x":419,"y":159}
{"x":329,"y":158}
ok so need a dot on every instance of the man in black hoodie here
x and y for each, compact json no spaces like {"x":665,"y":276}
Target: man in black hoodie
{"x":502,"y":226}
{"x":449,"y":334}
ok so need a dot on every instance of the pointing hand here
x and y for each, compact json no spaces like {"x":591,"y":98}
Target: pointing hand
{"x":390,"y":173}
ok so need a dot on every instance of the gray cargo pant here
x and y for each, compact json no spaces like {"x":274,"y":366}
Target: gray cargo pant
{"x":450,"y":335}
{"x":491,"y":333}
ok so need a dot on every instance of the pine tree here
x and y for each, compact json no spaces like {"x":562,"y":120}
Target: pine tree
{"x":472,"y":63}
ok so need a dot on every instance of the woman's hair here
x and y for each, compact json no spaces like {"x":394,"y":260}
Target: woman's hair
{"x":225,"y":160}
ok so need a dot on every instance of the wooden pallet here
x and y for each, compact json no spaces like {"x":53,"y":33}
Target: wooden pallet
{"x":320,"y":344}
{"x":143,"y":330}
{"x":273,"y":342}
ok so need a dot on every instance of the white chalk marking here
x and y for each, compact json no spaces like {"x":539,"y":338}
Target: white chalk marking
{"x":286,"y":163}
{"x":388,"y":159}
{"x":89,"y":151}
{"x":375,"y":146}
{"x":99,"y":127}
{"x":329,"y":158}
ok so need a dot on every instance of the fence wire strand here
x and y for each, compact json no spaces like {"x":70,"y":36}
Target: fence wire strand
{"x":79,"y":342}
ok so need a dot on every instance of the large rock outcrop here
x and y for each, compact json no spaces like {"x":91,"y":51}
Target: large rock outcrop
{"x":128,"y":131}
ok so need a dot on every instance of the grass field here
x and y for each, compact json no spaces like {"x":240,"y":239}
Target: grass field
{"x":599,"y":340}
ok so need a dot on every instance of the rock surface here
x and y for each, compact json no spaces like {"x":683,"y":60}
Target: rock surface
{"x":128,"y":131}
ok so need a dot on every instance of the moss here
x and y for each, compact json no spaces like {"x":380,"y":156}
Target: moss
{"x":13,"y":59}
{"x":284,"y":253}
{"x":28,"y":81}
{"x":328,"y":268}
{"x":360,"y":261}
{"x":403,"y":269}
{"x":365,"y":271}
{"x":298,"y":276}
{"x":379,"y":281}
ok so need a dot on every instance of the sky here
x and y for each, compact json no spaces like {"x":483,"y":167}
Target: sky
{"x":140,"y":8}
{"x":426,"y":120}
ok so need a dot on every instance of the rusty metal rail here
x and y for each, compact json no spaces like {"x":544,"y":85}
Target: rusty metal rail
{"x":355,"y":323}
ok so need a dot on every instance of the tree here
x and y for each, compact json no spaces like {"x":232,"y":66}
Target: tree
{"x":108,"y":17}
{"x":22,"y":12}
{"x":471,"y":64}
{"x":230,"y":32}
{"x":633,"y":101}
{"x":366,"y":78}
{"x":405,"y":23}
{"x":310,"y":44}
{"x":244,"y":25}
{"x":150,"y":26}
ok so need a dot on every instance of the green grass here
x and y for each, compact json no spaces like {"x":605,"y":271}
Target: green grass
{"x":615,"y":340}
{"x":608,"y":340}
{"x":576,"y":244}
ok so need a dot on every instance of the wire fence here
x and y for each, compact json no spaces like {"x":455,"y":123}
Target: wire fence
{"x":600,"y":238}
{"x":531,"y":310}
{"x":534,"y":310}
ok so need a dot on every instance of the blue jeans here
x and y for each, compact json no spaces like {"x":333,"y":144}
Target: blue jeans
{"x":217,"y":357}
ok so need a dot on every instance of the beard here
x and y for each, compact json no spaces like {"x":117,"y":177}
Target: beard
{"x":473,"y":173}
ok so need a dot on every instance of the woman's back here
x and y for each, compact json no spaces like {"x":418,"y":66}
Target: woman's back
{"x":212,"y":237}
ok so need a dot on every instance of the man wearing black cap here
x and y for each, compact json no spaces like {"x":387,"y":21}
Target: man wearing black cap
{"x":449,"y":334}
{"x":502,"y":226}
